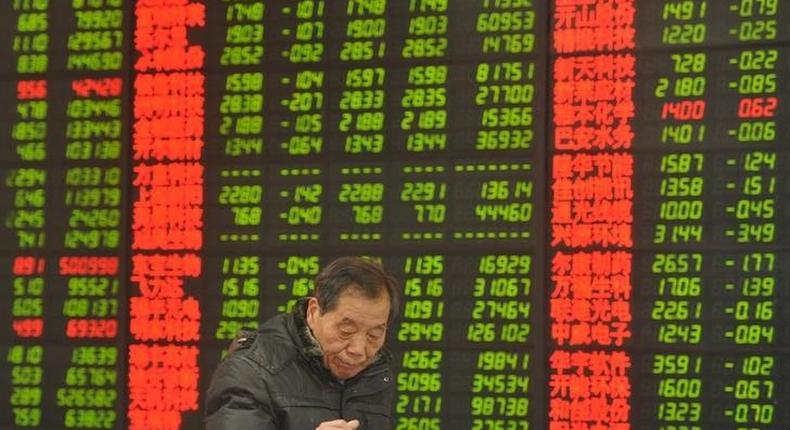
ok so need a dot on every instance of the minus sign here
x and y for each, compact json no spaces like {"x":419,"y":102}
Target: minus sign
{"x":733,"y":31}
{"x":728,"y":413}
{"x":729,"y":365}
{"x":733,"y":85}
{"x":732,"y":132}
{"x":733,"y":7}
{"x":729,"y":233}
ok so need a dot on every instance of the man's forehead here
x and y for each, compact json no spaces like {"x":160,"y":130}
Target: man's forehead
{"x":356,"y":307}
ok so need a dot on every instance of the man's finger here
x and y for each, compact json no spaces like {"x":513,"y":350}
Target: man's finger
{"x":338,"y":425}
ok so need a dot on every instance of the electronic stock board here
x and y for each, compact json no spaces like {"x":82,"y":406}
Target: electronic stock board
{"x":584,"y":201}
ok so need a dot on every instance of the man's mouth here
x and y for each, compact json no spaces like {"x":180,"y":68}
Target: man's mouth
{"x":346,"y":366}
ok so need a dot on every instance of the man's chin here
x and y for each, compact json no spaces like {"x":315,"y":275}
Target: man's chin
{"x":344,"y":371}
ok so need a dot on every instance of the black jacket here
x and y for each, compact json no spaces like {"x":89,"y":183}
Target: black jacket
{"x":277,"y":381}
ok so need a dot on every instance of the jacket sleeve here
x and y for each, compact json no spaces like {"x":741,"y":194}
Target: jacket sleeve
{"x":237,"y":398}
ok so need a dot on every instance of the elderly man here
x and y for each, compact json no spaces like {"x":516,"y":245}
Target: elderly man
{"x":320,"y":367}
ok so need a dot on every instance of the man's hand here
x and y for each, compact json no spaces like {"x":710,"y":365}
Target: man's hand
{"x":338,"y":425}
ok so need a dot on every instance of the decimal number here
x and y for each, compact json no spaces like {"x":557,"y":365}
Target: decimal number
{"x":507,"y":4}
{"x":505,"y":264}
{"x":683,"y":34}
{"x":680,"y":286}
{"x":503,"y":406}
{"x":418,"y":423}
{"x":757,"y":30}
{"x":680,"y":333}
{"x":677,"y":263}
{"x":499,"y":424}
{"x":423,"y":191}
{"x":418,"y":331}
{"x":675,"y":310}
{"x":757,"y":59}
{"x":427,"y":75}
{"x":680,"y":411}
{"x":510,"y":21}
{"x":684,"y":186}
{"x":682,"y":162}
{"x":676,"y":364}
{"x":680,"y":388}
{"x":507,"y":117}
{"x":361,"y":192}
{"x":424,"y":47}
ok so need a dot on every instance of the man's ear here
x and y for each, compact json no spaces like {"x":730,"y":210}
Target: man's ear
{"x":313,"y":310}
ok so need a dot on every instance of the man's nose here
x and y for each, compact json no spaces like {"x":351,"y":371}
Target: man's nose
{"x":356,"y":346}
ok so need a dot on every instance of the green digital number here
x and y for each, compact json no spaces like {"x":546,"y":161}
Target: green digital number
{"x":241,"y":55}
{"x":428,"y":5}
{"x":679,"y":411}
{"x":759,"y":83}
{"x":684,"y":34}
{"x":365,"y":28}
{"x":680,"y":333}
{"x":244,"y":33}
{"x":754,"y":413}
{"x":682,"y":162}
{"x":505,"y":264}
{"x":676,"y":364}
{"x":757,"y":30}
{"x":683,"y":186}
{"x":423,"y":191}
{"x":240,"y":308}
{"x":757,"y":286}
{"x":245,"y":12}
{"x":680,"y":388}
{"x":683,"y":10}
{"x":757,"y":366}
{"x":426,"y":47}
{"x":502,"y":360}
{"x":510,"y":21}
{"x":428,"y":25}
{"x":423,"y":309}
{"x":34,"y":4}
{"x":681,"y":210}
{"x":677,"y":263}
{"x":675,"y":310}
{"x":754,"y":334}
{"x":756,"y":131}
{"x":419,"y":381}
{"x":757,"y":59}
{"x":508,"y":72}
{"x":422,"y":359}
{"x":241,"y":265}
{"x":680,"y":286}
{"x":750,"y":8}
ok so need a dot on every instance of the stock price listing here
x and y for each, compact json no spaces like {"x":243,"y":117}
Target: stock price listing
{"x":585,"y":203}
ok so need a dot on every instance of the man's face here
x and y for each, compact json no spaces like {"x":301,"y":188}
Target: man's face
{"x":352,"y":333}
